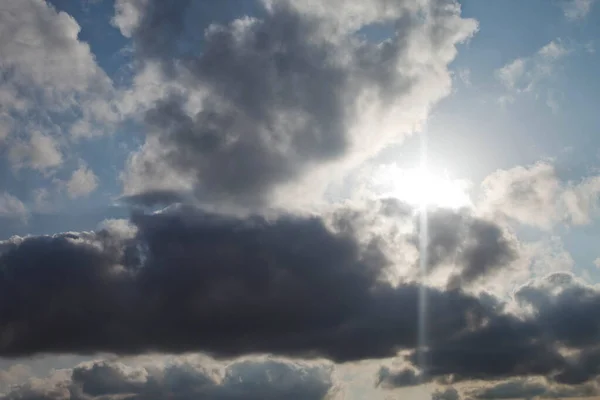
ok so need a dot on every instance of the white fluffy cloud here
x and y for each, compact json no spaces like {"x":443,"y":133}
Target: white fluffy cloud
{"x":82,"y":182}
{"x":40,"y":152}
{"x":535,"y":195}
{"x":39,"y":46}
{"x":50,"y":84}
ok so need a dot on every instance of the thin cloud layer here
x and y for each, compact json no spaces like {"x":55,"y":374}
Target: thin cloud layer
{"x":577,"y":9}
{"x":532,"y":388}
{"x":527,"y":74}
{"x":265,"y":101}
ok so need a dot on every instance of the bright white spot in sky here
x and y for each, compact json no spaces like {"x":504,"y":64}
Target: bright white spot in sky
{"x":420,"y":187}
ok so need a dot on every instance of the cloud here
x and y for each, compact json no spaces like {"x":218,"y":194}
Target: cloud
{"x":40,"y":47}
{"x":534,"y":195}
{"x":464,"y":74}
{"x":270,"y":100}
{"x":525,"y":388}
{"x":11,"y":207}
{"x":42,"y":202}
{"x":267,"y":379}
{"x":13,"y":375}
{"x":50,"y":85}
{"x":447,"y":394}
{"x":41,"y":152}
{"x":530,"y":388}
{"x":554,"y":335}
{"x":391,"y":379}
{"x":577,"y":9}
{"x":183,"y":280}
{"x":480,"y":246}
{"x":289,"y":286}
{"x":526,"y":74}
{"x":120,"y":228}
{"x":82,"y":182}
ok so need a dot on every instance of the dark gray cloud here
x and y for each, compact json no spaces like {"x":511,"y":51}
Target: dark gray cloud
{"x":249,"y":379}
{"x":388,"y":378}
{"x":481,"y":247}
{"x":447,"y":394}
{"x":227,"y":286}
{"x":257,"y":103}
{"x":287,"y":285}
{"x":555,"y":337}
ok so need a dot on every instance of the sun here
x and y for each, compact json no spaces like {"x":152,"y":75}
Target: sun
{"x":420,"y":187}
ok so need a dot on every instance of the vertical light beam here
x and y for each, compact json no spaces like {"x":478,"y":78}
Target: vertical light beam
{"x":423,"y":244}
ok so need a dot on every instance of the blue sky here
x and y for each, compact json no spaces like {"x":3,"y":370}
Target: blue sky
{"x":108,"y":105}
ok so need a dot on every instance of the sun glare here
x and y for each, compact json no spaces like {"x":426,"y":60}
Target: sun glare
{"x":421,"y":188}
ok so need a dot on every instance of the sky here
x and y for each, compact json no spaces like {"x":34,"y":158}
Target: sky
{"x":266,"y":199}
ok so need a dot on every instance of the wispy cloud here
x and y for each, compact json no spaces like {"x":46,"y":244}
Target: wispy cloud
{"x":526,"y":74}
{"x":577,"y":9}
{"x":11,"y":206}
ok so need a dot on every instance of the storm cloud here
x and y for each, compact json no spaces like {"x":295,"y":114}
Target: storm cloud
{"x":194,"y":281}
{"x":185,"y":280}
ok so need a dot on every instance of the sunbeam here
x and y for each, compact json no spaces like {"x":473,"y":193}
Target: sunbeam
{"x":423,"y":239}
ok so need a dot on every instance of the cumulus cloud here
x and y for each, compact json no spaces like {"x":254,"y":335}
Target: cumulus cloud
{"x":536,"y":196}
{"x":185,"y":280}
{"x":261,"y":106}
{"x":192,"y":281}
{"x":554,"y":336}
{"x":13,"y":375}
{"x":267,"y":379}
{"x":41,"y":152}
{"x":50,"y":84}
{"x":270,"y":99}
{"x":82,"y":182}
{"x":40,"y":46}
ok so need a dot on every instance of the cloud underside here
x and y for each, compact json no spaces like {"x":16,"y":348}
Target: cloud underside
{"x":301,"y":287}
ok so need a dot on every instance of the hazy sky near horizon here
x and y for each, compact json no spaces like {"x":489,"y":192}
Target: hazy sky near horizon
{"x":262,"y":199}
